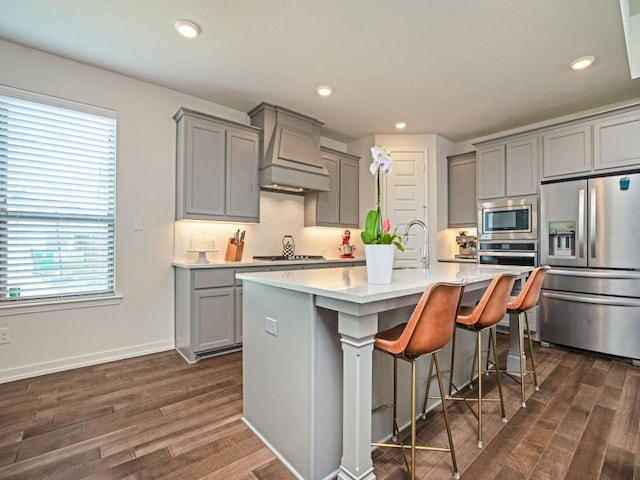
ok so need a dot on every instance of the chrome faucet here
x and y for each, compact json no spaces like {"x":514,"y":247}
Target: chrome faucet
{"x":405,"y":238}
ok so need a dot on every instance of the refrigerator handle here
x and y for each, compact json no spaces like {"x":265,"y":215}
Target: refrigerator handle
{"x":592,"y":222}
{"x":581,"y":201}
{"x":596,"y":300}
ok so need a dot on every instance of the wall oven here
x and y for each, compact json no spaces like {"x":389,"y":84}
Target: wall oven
{"x":511,"y":219}
{"x":508,"y":253}
{"x":512,"y":253}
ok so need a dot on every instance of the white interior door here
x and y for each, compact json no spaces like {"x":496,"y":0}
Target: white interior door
{"x":405,"y":200}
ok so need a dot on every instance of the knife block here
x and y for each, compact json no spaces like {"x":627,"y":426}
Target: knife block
{"x":234,"y":252}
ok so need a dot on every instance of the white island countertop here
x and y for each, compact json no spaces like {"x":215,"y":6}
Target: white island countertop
{"x":350,"y":284}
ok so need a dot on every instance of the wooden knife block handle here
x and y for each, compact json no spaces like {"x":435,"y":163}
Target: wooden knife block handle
{"x":234,"y":252}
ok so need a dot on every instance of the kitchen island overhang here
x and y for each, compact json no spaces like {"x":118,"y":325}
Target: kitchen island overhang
{"x":307,"y":358}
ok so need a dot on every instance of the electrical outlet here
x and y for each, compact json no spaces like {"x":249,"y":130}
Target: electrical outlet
{"x":138,"y":223}
{"x":5,"y":335}
{"x":271,"y":326}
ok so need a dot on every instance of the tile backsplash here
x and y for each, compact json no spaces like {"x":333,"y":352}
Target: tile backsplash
{"x":280,"y":215}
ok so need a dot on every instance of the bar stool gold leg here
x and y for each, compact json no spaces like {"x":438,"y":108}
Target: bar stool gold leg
{"x":434,"y":359}
{"x":476,"y":352}
{"x":395,"y":431}
{"x":479,"y":357}
{"x":413,"y":420}
{"x":426,"y":395}
{"x":533,"y":362}
{"x":523,"y":360}
{"x":492,"y":333}
{"x":453,"y":351}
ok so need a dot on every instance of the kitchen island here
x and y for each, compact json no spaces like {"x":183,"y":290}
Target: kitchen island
{"x":308,"y":358}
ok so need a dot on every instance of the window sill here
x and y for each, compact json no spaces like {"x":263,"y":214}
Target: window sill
{"x":36,"y":306}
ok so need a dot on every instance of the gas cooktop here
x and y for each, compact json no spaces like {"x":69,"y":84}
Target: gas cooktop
{"x":276,"y":258}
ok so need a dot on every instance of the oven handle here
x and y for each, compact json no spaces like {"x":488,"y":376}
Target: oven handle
{"x":616,"y":301}
{"x":507,"y":254}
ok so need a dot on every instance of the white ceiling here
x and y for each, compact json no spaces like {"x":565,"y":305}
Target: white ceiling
{"x":462,"y":69}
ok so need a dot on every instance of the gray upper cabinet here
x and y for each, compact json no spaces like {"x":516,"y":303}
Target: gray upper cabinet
{"x":462,"y":190}
{"x":339,"y":206}
{"x":217,"y":169}
{"x":522,"y":166}
{"x":566,"y":150}
{"x":616,"y":141}
{"x":615,"y":138}
{"x":508,"y":169}
{"x":491,"y":171}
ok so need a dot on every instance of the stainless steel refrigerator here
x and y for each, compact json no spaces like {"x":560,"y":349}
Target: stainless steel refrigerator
{"x":590,"y":236}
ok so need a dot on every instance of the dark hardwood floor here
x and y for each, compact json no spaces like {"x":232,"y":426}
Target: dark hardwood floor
{"x":158,"y":417}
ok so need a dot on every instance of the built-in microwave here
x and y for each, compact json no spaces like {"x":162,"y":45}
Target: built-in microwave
{"x":511,"y":219}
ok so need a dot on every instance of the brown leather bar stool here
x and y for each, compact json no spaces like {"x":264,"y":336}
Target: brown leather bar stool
{"x":491,"y":308}
{"x":520,"y":305}
{"x":430,"y":327}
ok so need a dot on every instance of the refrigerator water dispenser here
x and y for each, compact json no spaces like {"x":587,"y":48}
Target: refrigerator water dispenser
{"x":562,"y":236}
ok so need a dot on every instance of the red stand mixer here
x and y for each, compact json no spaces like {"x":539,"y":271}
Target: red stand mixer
{"x":346,"y":249}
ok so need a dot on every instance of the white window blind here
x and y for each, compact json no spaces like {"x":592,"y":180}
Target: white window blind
{"x":57,"y":186}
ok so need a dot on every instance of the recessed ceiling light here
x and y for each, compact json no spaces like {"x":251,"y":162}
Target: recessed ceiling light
{"x":401,"y":125}
{"x":324,"y":91}
{"x":187,"y":28}
{"x":582,"y":62}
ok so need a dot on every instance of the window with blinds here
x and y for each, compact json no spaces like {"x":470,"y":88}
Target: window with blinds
{"x":57,"y":186}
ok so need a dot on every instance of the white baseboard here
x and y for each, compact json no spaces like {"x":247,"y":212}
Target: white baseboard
{"x":45,"y":368}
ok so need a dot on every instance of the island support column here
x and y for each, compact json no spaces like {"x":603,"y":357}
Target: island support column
{"x":513,"y":355}
{"x":357,"y":334}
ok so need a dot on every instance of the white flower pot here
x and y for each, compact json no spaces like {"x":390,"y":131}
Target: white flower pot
{"x":379,"y":263}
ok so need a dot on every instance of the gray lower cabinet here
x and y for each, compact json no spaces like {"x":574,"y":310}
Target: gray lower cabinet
{"x":207,"y":318}
{"x":339,"y":206}
{"x":217,"y":169}
{"x":221,"y":333}
{"x":208,"y":306}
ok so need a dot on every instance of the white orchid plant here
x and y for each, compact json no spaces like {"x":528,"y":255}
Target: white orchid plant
{"x":377,"y":230}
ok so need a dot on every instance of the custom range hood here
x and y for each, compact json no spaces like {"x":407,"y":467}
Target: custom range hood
{"x":290,"y":156}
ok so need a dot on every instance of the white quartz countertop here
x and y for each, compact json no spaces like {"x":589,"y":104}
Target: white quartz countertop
{"x":350,"y":283}
{"x":264,"y":263}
